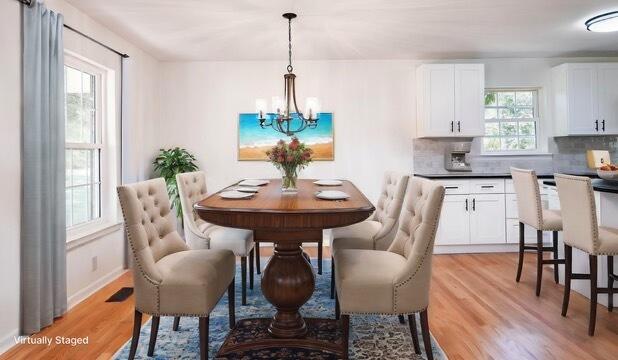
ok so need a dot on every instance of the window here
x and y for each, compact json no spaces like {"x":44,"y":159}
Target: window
{"x":89,"y":151}
{"x":511,"y":120}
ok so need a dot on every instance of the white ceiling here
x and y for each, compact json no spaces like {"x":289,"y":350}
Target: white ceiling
{"x":356,"y":29}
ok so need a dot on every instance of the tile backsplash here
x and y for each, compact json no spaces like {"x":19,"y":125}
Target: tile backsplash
{"x":567,"y":154}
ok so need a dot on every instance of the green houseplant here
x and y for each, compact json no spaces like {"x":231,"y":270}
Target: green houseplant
{"x":168,"y":164}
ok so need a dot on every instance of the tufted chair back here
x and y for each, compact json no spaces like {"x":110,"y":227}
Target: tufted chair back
{"x":388,"y":208}
{"x":529,"y":206}
{"x":579,"y":215}
{"x":414,"y":240}
{"x":151,"y":228}
{"x":191,"y":189}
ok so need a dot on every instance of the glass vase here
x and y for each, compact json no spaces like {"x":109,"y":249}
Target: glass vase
{"x":289,"y":177}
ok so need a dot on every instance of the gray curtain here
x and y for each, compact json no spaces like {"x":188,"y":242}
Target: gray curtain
{"x":43,"y":229}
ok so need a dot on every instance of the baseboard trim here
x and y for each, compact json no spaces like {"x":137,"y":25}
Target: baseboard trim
{"x":86,"y":292}
{"x":7,"y":342}
{"x":471,"y":249}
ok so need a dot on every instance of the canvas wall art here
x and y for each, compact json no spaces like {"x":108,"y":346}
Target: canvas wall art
{"x":253,"y":141}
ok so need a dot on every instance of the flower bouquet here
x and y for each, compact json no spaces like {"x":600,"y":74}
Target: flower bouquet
{"x":289,"y":158}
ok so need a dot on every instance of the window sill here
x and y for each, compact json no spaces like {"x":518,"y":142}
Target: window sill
{"x":516,"y":154}
{"x":91,"y":233}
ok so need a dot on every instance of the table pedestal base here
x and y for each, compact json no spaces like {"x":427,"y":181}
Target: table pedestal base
{"x":251,"y":339}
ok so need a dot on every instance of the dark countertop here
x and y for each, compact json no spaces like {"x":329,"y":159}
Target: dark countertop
{"x":599,"y":185}
{"x":465,"y":175}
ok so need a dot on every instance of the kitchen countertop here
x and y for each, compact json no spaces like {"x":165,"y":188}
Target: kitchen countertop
{"x":464,"y":175}
{"x":599,"y":185}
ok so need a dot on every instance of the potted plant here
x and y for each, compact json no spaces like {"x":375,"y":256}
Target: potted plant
{"x":289,"y":158}
{"x":168,"y":164}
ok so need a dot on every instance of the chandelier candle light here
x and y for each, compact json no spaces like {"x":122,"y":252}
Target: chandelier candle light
{"x":284,"y":111}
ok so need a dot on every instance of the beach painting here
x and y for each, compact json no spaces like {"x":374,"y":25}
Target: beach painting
{"x":253,"y":141}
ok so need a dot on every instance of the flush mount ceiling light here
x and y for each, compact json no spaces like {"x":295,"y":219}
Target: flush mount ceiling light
{"x":607,"y":22}
{"x":284,"y":109}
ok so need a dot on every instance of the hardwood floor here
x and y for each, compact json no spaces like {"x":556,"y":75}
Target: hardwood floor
{"x":477,"y":311}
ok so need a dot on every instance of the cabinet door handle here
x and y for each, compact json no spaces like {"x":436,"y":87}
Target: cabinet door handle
{"x":459,"y":126}
{"x":452,"y":126}
{"x":473,"y":204}
{"x":487,"y":186}
{"x":603,"y":125}
{"x":596,"y":125}
{"x":466,"y":204}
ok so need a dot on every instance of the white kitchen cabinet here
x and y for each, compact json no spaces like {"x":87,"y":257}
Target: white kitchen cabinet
{"x":454,"y":227}
{"x":585,"y":99}
{"x":450,"y":100}
{"x":487,"y":219}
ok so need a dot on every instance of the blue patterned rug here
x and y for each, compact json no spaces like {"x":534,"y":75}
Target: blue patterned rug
{"x":371,"y":337}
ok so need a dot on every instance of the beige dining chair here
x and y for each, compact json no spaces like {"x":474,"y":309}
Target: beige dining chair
{"x":170,"y":279}
{"x":377,"y":232}
{"x":531,"y":213}
{"x":202,"y":235}
{"x":582,"y":231}
{"x":395,"y":281}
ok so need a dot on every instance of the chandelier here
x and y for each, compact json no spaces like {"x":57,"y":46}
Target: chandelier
{"x":285,"y":117}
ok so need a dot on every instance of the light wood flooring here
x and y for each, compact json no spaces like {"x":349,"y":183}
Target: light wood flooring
{"x":477,"y":311}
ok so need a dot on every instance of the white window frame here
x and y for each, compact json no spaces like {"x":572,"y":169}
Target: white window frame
{"x":540,"y":147}
{"x":105,"y":131}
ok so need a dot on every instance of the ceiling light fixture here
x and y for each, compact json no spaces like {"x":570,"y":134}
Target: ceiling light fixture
{"x":284,"y":110}
{"x":607,"y":22}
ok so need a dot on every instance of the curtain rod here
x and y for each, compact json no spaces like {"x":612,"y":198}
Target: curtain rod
{"x":123,"y":55}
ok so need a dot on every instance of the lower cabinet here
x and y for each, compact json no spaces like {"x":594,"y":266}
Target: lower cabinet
{"x":454,"y":228}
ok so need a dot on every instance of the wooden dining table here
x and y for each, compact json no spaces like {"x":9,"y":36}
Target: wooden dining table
{"x":288,"y":280}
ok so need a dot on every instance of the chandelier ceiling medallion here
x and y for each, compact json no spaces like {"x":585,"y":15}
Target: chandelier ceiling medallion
{"x":285,"y":117}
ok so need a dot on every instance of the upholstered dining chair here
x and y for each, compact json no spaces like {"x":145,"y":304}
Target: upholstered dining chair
{"x":169,"y":278}
{"x":531,"y":213}
{"x":582,"y":231}
{"x":394,"y":281}
{"x":202,"y":235}
{"x":377,"y":232}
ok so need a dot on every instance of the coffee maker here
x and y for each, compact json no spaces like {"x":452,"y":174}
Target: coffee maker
{"x":455,"y":157}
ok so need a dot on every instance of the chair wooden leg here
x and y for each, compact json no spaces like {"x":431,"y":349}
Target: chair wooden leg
{"x":520,"y":263}
{"x":332,"y":278}
{"x":593,"y":294}
{"x":337,"y":309}
{"x":555,"y":251}
{"x":203,"y":337}
{"x":243,"y":274}
{"x":345,"y":325}
{"x":258,"y":269}
{"x":568,"y":271}
{"x":231,"y":301}
{"x":402,"y":319}
{"x":414,"y":333}
{"x":251,"y":256}
{"x":154,"y":330}
{"x":176,"y":323}
{"x":137,"y":325}
{"x":539,"y":261}
{"x":426,"y":336}
{"x":610,"y":283}
{"x":320,"y":249}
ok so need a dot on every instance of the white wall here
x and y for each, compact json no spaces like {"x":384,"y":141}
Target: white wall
{"x":10,"y":134}
{"x":108,"y":249}
{"x":372,"y":102}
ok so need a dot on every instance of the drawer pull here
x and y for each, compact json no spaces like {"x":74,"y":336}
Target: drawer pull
{"x":487,"y":186}
{"x":451,"y":187}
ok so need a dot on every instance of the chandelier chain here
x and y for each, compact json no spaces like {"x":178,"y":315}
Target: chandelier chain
{"x":290,"y":68}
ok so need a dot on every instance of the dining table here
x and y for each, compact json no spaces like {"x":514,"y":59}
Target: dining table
{"x":288,"y":280}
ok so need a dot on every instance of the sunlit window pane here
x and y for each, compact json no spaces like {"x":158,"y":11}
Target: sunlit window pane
{"x":492,"y":129}
{"x":511,"y":120}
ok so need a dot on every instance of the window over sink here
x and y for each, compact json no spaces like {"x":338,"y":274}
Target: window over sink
{"x":511,"y":121}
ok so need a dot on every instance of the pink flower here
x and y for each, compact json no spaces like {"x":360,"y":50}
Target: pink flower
{"x":290,"y":158}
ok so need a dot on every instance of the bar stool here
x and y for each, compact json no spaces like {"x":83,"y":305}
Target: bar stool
{"x":581,"y":231}
{"x":531,"y":213}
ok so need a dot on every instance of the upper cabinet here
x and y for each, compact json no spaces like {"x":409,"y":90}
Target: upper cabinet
{"x":450,"y":100}
{"x":585,"y":99}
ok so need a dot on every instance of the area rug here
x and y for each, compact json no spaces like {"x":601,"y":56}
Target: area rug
{"x":371,"y":337}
